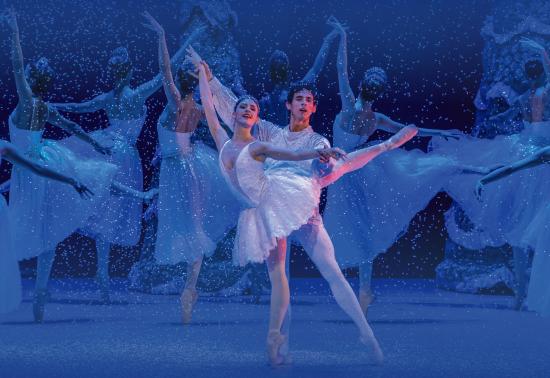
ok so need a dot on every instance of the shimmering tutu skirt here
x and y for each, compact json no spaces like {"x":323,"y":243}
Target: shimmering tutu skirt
{"x":120,"y":222}
{"x":507,"y":206}
{"x":286,"y":201}
{"x":10,"y":278}
{"x":195,"y":207}
{"x":43,"y":212}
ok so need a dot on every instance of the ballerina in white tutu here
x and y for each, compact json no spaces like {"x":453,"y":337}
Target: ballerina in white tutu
{"x":10,"y":278}
{"x":125,"y":107}
{"x":368,"y":210}
{"x":536,"y":235}
{"x":278,"y":200}
{"x":45,"y":212}
{"x":194,"y":207}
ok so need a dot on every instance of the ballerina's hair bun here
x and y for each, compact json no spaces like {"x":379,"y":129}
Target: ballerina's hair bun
{"x":374,"y":83}
{"x":40,"y":75}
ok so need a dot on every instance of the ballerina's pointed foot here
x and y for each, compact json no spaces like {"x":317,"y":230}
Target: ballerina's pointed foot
{"x":366,"y":297}
{"x":274,"y":342}
{"x":38,"y":304}
{"x":188,"y":300}
{"x":402,"y":137}
{"x":375,"y":351}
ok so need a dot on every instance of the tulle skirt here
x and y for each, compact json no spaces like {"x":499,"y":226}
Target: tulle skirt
{"x":195,"y":208}
{"x":120,"y":221}
{"x":43,"y":212}
{"x":286,"y":202}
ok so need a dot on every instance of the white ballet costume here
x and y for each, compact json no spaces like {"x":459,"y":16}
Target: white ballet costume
{"x":120,"y":223}
{"x":10,"y":277}
{"x":509,"y":205}
{"x":276,"y":202}
{"x":44,"y":212}
{"x":195,"y":208}
{"x":369,"y":209}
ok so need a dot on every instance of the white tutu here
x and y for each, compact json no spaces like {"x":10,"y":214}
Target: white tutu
{"x":508,"y":205}
{"x":44,"y":212}
{"x":10,"y":278}
{"x":369,"y":209}
{"x":195,"y":208}
{"x":278,"y":201}
{"x":537,"y":236}
{"x":120,"y":223}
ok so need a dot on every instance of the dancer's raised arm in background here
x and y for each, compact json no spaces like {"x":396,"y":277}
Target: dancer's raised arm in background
{"x":357,"y":115}
{"x":32,"y":83}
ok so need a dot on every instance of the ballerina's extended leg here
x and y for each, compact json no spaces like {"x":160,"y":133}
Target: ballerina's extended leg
{"x":358,"y":159}
{"x":320,"y":249}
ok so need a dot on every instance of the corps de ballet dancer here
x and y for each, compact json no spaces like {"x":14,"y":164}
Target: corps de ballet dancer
{"x":369,"y":209}
{"x":194,"y":207}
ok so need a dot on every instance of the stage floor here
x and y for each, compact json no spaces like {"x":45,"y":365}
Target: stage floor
{"x":423,"y":331}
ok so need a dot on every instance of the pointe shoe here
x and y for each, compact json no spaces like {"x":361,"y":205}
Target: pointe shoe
{"x":365,"y":299}
{"x":39,"y":301}
{"x":274,"y":342}
{"x":401,"y":137}
{"x":374,"y":349}
{"x":188,"y":299}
